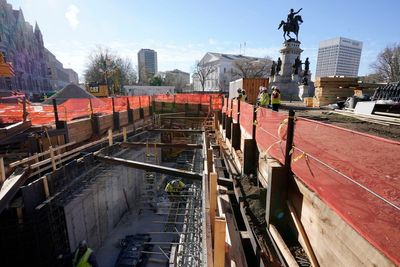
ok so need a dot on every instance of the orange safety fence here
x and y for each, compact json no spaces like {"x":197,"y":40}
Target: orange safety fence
{"x":164,"y":98}
{"x":144,"y":101}
{"x":11,"y":112}
{"x":225,"y":106}
{"x":40,"y":114}
{"x":134,"y":102}
{"x":246,"y":119}
{"x":235,"y":110}
{"x":357,"y":175}
{"x":216,"y":102}
{"x":77,"y":107}
{"x":271,"y":133}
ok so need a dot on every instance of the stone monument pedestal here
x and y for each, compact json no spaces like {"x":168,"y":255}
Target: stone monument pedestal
{"x":287,"y":84}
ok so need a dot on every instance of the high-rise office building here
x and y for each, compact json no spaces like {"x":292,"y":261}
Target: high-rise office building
{"x":147,"y":64}
{"x":338,"y":57}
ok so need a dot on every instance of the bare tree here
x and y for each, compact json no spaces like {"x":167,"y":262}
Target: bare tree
{"x":387,"y":64}
{"x":203,"y":72}
{"x":252,"y":68}
{"x":104,"y":66}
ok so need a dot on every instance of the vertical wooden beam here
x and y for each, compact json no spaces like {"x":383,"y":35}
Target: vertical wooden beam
{"x":308,"y":248}
{"x":124,"y":134}
{"x":2,"y":171}
{"x":20,"y":215}
{"x":277,"y":192}
{"x":53,"y":160}
{"x":213,"y":198}
{"x":228,"y":127}
{"x":46,"y":187}
{"x":289,"y":140}
{"x":235,"y":132}
{"x":219,"y":242}
{"x":25,"y":113}
{"x":55,"y":111}
{"x":282,"y":247}
{"x":209,"y":160}
{"x":110,"y":137}
{"x":91,"y":107}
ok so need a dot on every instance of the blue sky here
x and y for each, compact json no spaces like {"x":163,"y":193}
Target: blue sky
{"x":182,"y":31}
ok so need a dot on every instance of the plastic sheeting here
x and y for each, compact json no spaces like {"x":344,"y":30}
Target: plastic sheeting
{"x":246,"y":119}
{"x":270,"y":135}
{"x":357,"y":175}
{"x":235,"y":110}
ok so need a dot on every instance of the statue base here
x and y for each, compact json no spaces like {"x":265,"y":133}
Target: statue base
{"x":287,"y":82}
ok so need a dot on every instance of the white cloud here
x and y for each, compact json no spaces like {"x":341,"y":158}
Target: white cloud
{"x":212,"y":41}
{"x":72,"y":16}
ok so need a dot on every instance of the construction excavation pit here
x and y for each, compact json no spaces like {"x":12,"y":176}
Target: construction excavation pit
{"x":193,"y":180}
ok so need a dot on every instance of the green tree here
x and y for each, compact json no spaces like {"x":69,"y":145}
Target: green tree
{"x":156,"y":81}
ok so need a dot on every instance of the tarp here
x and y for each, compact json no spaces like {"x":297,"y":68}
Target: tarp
{"x":246,"y":119}
{"x":357,"y":175}
{"x":235,"y":110}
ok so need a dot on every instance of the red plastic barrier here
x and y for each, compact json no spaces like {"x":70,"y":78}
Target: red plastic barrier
{"x":144,"y":101}
{"x":11,"y":113}
{"x":225,"y":107}
{"x":246,"y":119}
{"x":235,"y":111}
{"x":229,"y":109}
{"x":163,"y":98}
{"x":216,"y":101}
{"x":267,"y":133}
{"x":120,"y":104}
{"x":357,"y":175}
{"x":42,"y":114}
{"x":134,"y":102}
{"x":181,"y":99}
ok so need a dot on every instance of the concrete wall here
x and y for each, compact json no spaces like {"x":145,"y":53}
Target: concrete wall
{"x":97,"y":209}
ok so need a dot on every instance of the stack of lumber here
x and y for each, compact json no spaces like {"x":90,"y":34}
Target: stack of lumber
{"x":328,"y":89}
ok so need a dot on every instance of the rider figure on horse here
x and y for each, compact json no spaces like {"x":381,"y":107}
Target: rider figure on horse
{"x":290,"y":17}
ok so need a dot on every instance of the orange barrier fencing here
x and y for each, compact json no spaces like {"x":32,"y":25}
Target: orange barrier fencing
{"x":271,"y":132}
{"x":357,"y":175}
{"x":235,"y":111}
{"x":78,"y":107}
{"x":246,"y":119}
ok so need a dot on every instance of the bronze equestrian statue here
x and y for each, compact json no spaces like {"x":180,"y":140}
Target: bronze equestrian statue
{"x":291,"y":25}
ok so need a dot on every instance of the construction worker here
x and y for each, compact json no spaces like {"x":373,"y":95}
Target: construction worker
{"x":275,"y":98}
{"x":241,"y":95}
{"x":264,"y":98}
{"x":174,"y":187}
{"x":82,"y":257}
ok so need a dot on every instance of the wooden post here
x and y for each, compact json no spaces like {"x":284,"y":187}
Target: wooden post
{"x":91,"y":107}
{"x":210,"y":160}
{"x":308,"y":248}
{"x":2,"y":171}
{"x":25,"y":113}
{"x":219,"y":242}
{"x":289,"y":140}
{"x":110,"y":137}
{"x":277,"y":192}
{"x":53,"y":161}
{"x":282,"y":247}
{"x":55,"y":110}
{"x":113,"y":104}
{"x":20,"y":215}
{"x":124,"y":134}
{"x":213,"y":198}
{"x":46,"y":187}
{"x":235,"y":134}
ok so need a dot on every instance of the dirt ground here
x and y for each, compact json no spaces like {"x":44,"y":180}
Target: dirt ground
{"x":325,"y":116}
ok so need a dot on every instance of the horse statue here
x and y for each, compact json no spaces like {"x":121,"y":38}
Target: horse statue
{"x":291,"y":27}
